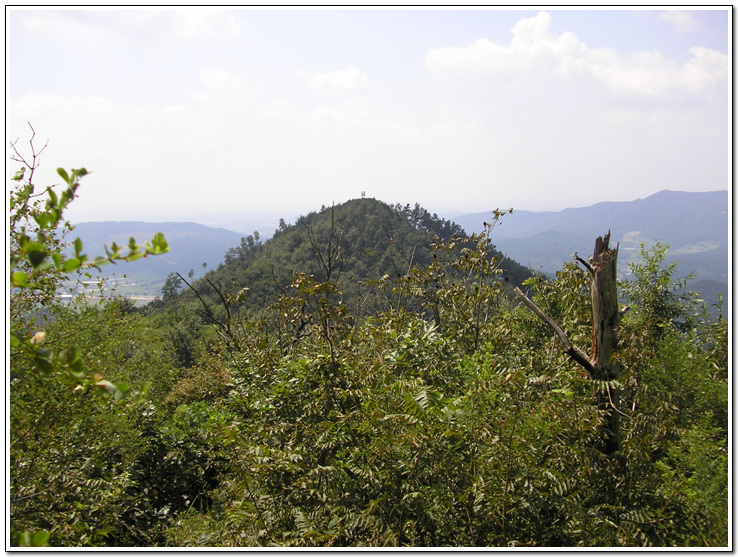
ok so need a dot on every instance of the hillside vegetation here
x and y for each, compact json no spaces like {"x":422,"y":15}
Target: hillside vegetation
{"x":365,"y":378}
{"x":357,"y":242}
{"x":693,"y":225}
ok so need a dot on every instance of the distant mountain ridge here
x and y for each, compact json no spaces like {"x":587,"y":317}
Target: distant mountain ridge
{"x":695,"y":225}
{"x":649,"y":214}
{"x":191,"y":245}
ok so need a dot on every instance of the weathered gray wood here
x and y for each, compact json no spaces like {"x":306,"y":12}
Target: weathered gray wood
{"x":600,"y":364}
{"x":605,"y":324}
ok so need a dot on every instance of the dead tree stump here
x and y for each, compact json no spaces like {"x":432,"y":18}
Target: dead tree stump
{"x":600,"y":363}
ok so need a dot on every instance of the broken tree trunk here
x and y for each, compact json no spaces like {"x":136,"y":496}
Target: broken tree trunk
{"x":605,"y":324}
{"x":600,"y":363}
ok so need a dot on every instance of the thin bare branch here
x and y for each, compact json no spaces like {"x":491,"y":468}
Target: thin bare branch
{"x":34,"y":164}
{"x":575,"y":353}
{"x":208,"y":311}
{"x":584,"y":263}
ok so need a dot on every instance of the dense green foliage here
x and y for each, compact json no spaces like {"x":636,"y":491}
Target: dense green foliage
{"x":367,"y":238}
{"x":60,"y":465}
{"x":355,"y":382}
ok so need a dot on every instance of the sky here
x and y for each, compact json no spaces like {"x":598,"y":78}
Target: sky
{"x":237,"y":117}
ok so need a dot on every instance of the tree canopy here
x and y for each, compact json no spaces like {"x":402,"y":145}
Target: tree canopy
{"x":365,"y":378}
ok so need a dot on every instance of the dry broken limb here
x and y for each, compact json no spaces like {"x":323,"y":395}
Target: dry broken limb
{"x":600,"y":364}
{"x":575,"y":353}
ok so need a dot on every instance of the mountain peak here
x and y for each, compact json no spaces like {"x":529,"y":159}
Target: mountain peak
{"x":693,"y":224}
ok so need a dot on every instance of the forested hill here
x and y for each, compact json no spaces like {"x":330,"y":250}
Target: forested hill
{"x":367,"y":238}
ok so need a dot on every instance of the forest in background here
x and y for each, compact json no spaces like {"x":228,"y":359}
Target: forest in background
{"x":694,"y":226}
{"x":367,"y":377}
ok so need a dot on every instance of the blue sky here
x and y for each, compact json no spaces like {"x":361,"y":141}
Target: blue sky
{"x":226,"y":117}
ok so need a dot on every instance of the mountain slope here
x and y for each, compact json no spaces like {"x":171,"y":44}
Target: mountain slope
{"x":374,"y":238}
{"x":695,"y":225}
{"x":190,"y":244}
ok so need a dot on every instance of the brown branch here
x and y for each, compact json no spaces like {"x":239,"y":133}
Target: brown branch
{"x":612,"y":404}
{"x":225,"y":303}
{"x":575,"y":353}
{"x":208,"y":313}
{"x":223,"y":329}
{"x":583,"y":262}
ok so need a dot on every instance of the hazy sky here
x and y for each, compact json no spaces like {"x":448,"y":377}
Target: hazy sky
{"x":187,"y":114}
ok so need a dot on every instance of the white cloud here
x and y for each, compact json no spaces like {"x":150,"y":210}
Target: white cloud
{"x":63,"y":26}
{"x":278,"y":109}
{"x":157,"y":26}
{"x":350,"y":80}
{"x":223,"y":82}
{"x":535,"y":51}
{"x":533,"y":46}
{"x":683,"y":21}
{"x":225,"y":91}
{"x":162,"y":162}
{"x":519,"y":124}
{"x":707,"y":69}
{"x":355,"y":111}
{"x":203,"y":24}
{"x":149,"y":26}
{"x":160,"y":144}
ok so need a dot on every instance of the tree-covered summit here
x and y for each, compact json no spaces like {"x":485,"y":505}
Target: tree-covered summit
{"x":370,"y":239}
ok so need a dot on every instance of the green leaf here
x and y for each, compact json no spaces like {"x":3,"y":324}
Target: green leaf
{"x":159,"y":244}
{"x":123,"y":387}
{"x":138,"y":395}
{"x":71,"y":264}
{"x":98,"y":261}
{"x":106,"y":386}
{"x":42,"y":219}
{"x":72,"y":358}
{"x":63,"y":173}
{"x":40,"y":538}
{"x":53,"y":198}
{"x":19,"y":279}
{"x":42,"y":359}
{"x":35,"y":253}
{"x":18,"y":176}
{"x":33,"y":539}
{"x":58,"y":261}
{"x":565,"y":392}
